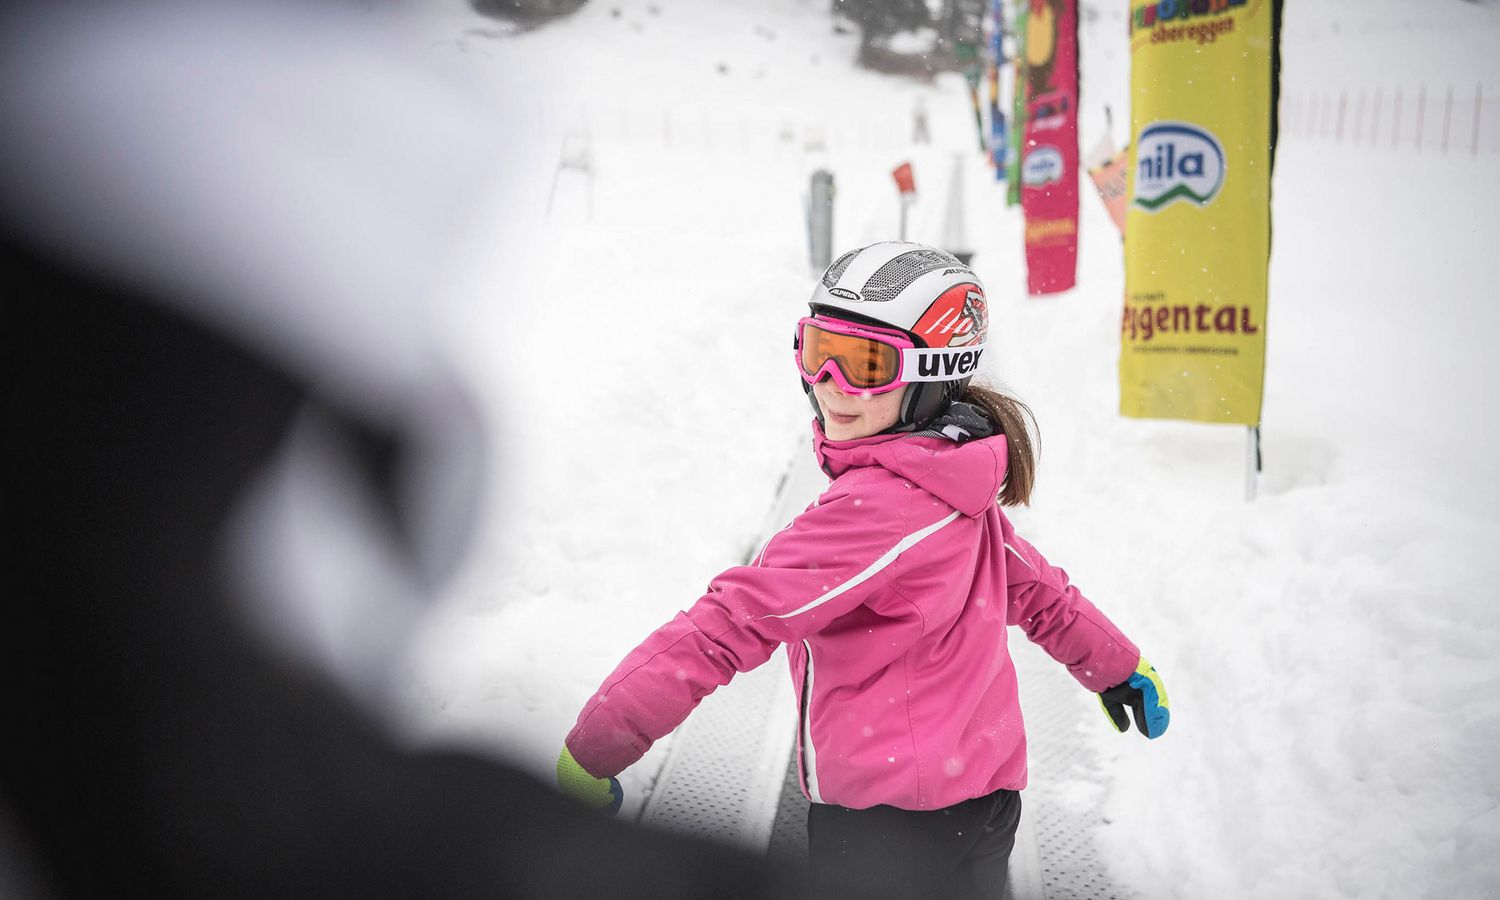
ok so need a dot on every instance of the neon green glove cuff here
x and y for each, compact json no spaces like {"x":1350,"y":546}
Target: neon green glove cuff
{"x":1144,"y":694}
{"x":577,"y":783}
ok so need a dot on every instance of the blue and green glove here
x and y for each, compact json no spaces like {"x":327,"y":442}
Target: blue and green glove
{"x":1143,"y":693}
{"x":578,"y":784}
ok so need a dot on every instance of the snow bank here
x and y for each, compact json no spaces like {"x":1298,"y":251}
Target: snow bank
{"x":1329,"y":648}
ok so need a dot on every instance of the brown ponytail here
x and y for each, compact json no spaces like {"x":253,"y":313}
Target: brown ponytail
{"x":1011,"y":418}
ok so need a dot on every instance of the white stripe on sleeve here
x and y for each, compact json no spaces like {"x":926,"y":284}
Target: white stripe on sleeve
{"x":1024,"y":561}
{"x":889,"y":557}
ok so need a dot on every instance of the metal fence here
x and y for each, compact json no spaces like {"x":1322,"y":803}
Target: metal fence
{"x":1424,"y":118}
{"x":721,"y":128}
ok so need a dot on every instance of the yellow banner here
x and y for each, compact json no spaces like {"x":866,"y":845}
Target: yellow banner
{"x":1198,"y":227}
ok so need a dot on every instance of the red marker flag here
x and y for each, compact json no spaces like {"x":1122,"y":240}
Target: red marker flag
{"x":906,"y":182}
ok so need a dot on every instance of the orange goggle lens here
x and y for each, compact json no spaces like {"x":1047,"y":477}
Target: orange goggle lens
{"x":864,"y":362}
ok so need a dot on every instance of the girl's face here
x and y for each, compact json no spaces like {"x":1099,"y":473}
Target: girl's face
{"x":848,"y":416}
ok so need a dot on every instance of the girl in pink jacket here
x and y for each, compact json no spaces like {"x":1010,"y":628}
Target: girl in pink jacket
{"x":892,"y":593}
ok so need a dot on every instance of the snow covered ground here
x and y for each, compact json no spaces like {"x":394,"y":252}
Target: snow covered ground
{"x":1330,"y":648}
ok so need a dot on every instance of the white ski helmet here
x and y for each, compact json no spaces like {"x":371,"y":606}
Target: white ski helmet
{"x":924,"y":292}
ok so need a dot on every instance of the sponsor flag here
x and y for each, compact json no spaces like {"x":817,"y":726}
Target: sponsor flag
{"x":967,"y":55}
{"x":1018,"y":110}
{"x":998,"y":139}
{"x":1049,"y":154}
{"x":1198,"y":226}
{"x":1110,"y":170}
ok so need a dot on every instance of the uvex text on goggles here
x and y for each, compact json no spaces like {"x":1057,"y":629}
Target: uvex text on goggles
{"x":873,"y":360}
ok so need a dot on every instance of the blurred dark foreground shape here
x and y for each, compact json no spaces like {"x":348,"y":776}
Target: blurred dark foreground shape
{"x":154,"y":747}
{"x":233,"y":468}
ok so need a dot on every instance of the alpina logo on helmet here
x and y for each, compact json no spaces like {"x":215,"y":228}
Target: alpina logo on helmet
{"x":845,"y":294}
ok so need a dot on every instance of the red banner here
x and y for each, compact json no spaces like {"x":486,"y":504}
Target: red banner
{"x":1049,"y":154}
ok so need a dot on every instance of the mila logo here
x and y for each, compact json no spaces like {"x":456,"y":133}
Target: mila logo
{"x":1042,"y":166}
{"x":1177,"y":161}
{"x":939,"y":364}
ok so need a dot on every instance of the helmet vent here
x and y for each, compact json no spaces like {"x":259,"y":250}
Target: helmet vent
{"x":836,"y":271}
{"x":897,"y":275}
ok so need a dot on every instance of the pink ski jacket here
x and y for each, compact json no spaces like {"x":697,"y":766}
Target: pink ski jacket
{"x":892,"y":593}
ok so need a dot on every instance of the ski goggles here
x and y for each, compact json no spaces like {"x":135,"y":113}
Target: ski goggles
{"x":867,"y":359}
{"x":864,"y":359}
{"x":860,"y":358}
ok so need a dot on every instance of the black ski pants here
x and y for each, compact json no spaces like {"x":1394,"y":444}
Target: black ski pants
{"x":956,"y":853}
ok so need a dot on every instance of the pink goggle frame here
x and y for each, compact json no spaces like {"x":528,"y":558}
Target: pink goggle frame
{"x":831,"y":362}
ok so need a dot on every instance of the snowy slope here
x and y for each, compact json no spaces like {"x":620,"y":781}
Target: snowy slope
{"x":1329,"y":647}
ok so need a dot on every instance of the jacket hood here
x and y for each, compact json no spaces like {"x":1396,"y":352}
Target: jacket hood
{"x":966,"y":476}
